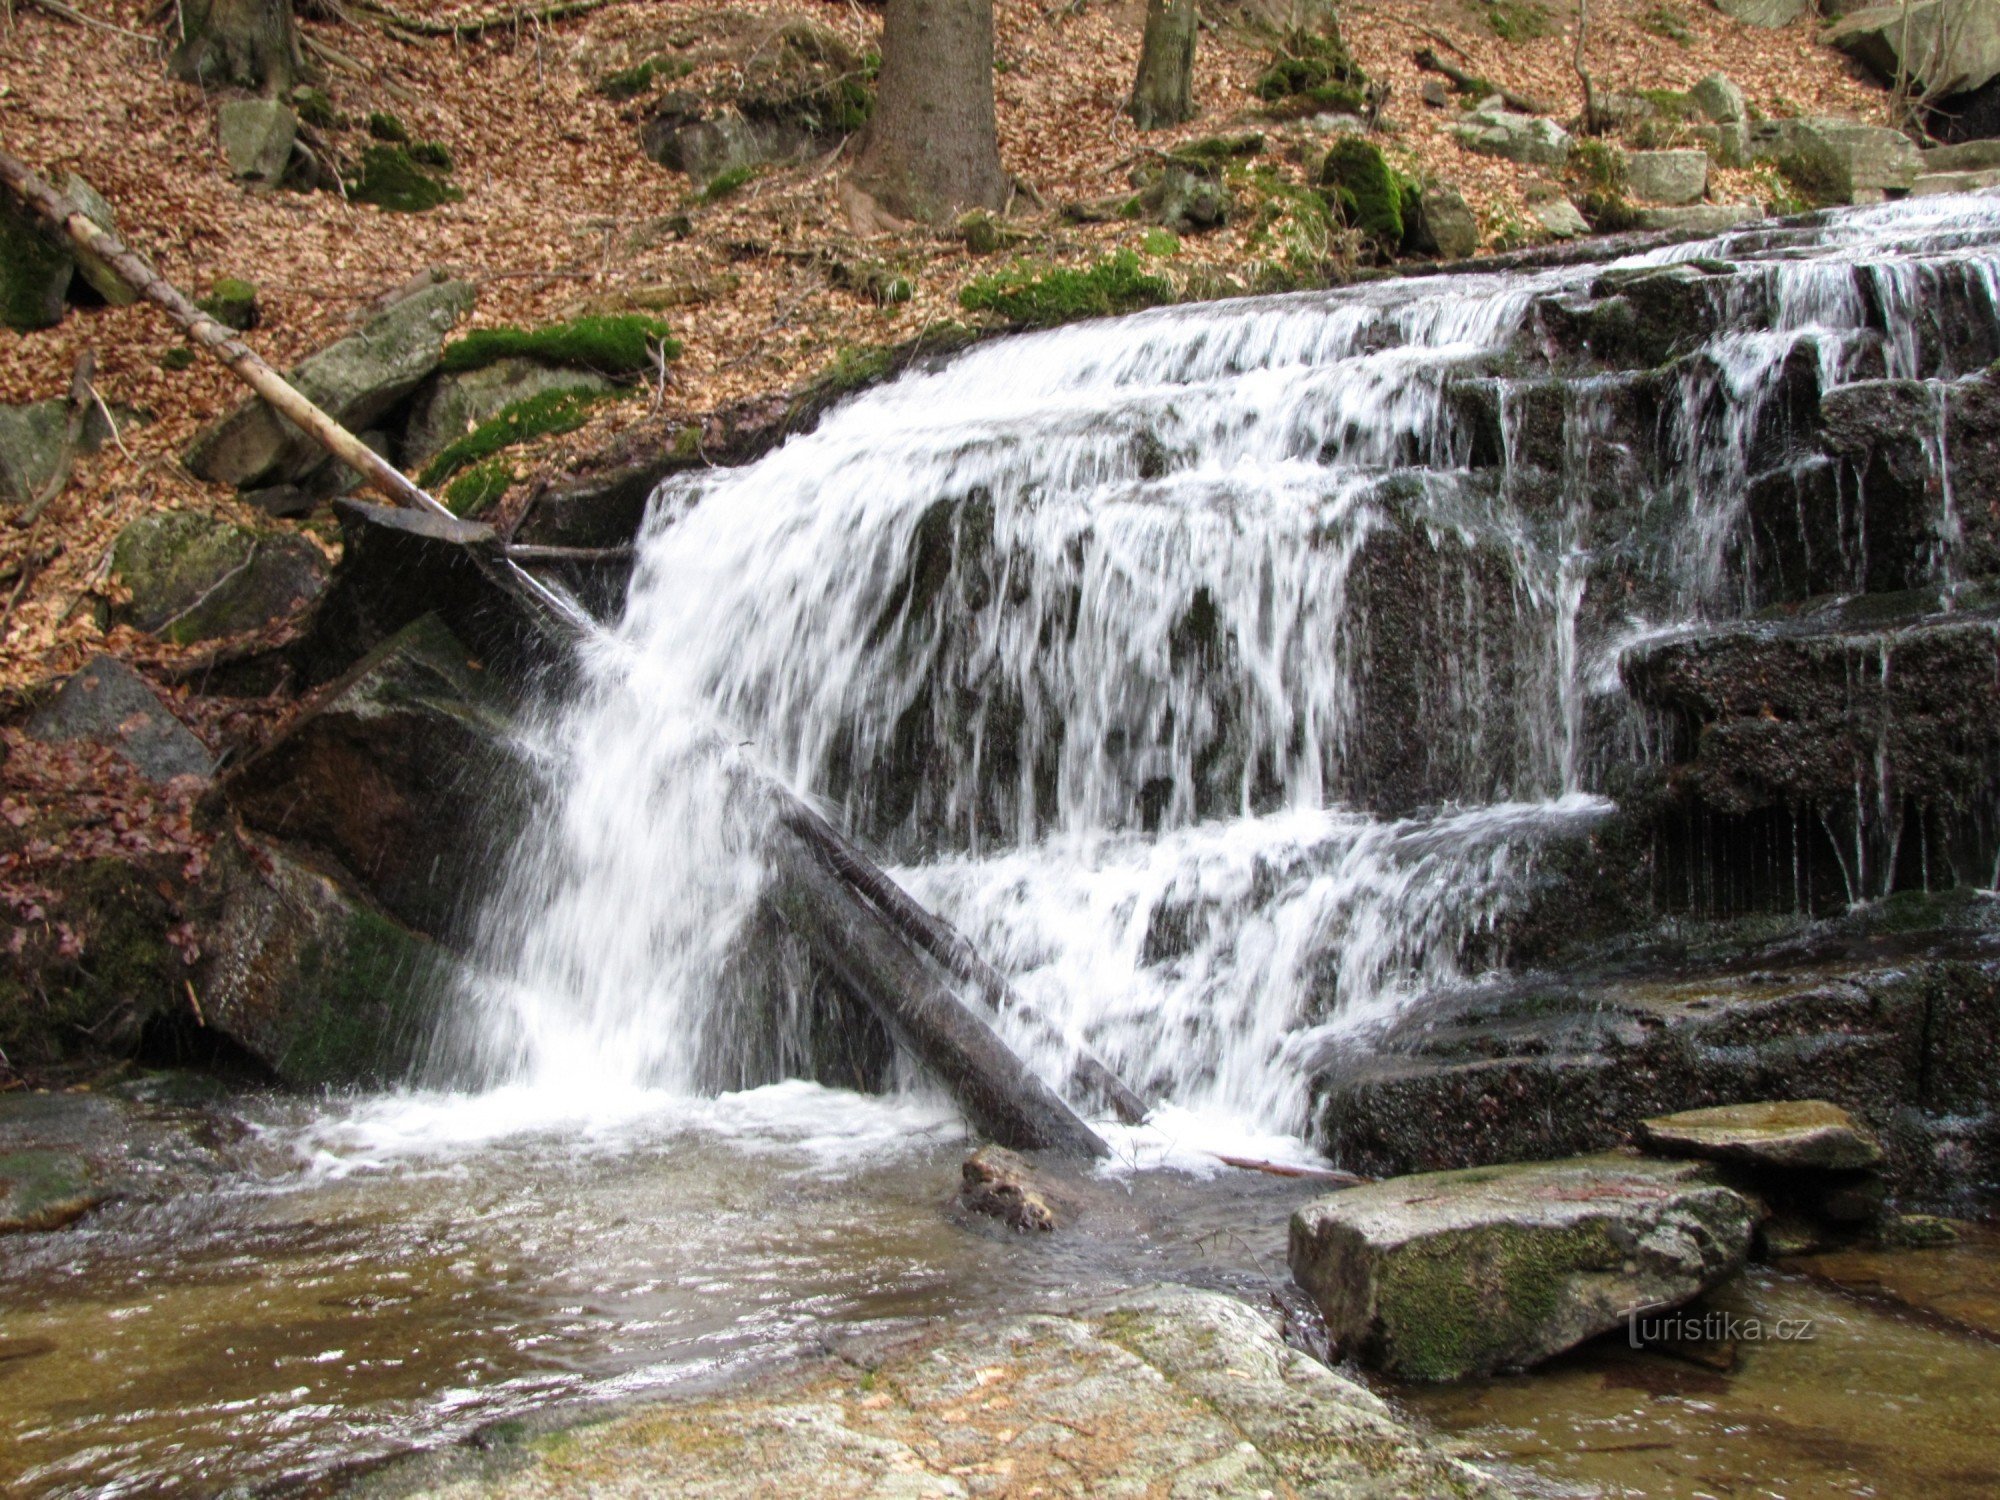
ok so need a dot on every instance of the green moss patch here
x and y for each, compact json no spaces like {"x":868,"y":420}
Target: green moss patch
{"x":615,"y":344}
{"x":538,"y":416}
{"x":1035,"y":298}
{"x":386,"y":127}
{"x":1367,"y":191}
{"x":728,"y":184}
{"x":1664,"y":21}
{"x":1213,"y":153}
{"x":390,"y":177}
{"x":1312,"y":71}
{"x":1515,"y":20}
{"x":478,"y":487}
{"x":231,"y":301}
{"x":630,"y":83}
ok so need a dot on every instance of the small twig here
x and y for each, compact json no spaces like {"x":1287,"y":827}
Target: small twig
{"x":70,"y":13}
{"x":109,"y":421}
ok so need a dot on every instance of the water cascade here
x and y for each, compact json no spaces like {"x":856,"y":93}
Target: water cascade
{"x":1224,"y":672}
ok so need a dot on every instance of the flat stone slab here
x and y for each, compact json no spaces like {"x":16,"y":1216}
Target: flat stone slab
{"x":1802,"y":1134}
{"x":1935,"y":184}
{"x":1162,"y":1391}
{"x":1449,"y":1274}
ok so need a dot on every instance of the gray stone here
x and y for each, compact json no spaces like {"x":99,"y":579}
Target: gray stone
{"x":1675,"y":178}
{"x":31,"y":441}
{"x":1559,"y":218}
{"x":1435,"y":94}
{"x":1731,"y":146}
{"x":1451,"y":1274}
{"x":35,"y":271}
{"x":1166,"y":1391}
{"x":108,"y":703}
{"x":194,"y":577}
{"x":256,"y":137}
{"x":355,"y":380}
{"x":106,"y":282}
{"x":1851,"y":162}
{"x":1769,"y":14}
{"x":309,"y":977}
{"x":397,"y":774}
{"x":1794,"y":1135}
{"x":706,"y":148}
{"x":1696,"y":218}
{"x":1934,"y":184}
{"x":454,"y":404}
{"x":1946,"y":46}
{"x":1966,"y":156}
{"x":1445,"y":223}
{"x":1718,"y":97}
{"x":1527,"y":139}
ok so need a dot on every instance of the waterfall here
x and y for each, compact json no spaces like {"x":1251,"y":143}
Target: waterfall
{"x":1222,"y":671}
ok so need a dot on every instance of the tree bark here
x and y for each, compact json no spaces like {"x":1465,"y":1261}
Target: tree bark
{"x":872,"y":963}
{"x":932,"y":148}
{"x":248,"y":44}
{"x":1163,"y":93}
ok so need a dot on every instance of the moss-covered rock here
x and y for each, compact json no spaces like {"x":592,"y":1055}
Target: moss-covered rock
{"x":563,"y":409}
{"x":193,"y":577}
{"x":35,"y":271}
{"x":231,"y":301}
{"x":391,"y":177}
{"x":1312,"y":71}
{"x":1450,"y":1274}
{"x":1368,"y":192}
{"x":610,"y":344}
{"x":459,"y":401}
{"x":1036,"y":297}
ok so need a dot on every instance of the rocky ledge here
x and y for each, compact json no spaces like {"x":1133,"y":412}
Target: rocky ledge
{"x":1164,"y":1390}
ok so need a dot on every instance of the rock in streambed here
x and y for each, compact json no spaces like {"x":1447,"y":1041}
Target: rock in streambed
{"x":1164,"y":1390}
{"x":1449,"y":1274}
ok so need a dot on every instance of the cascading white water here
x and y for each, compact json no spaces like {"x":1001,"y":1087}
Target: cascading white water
{"x":1101,"y":633}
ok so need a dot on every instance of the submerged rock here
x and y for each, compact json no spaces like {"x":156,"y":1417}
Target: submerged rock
{"x":1161,"y":1391}
{"x":997,"y":1182}
{"x":1805,"y":1134}
{"x":1445,"y":1275}
{"x":108,"y":703}
{"x":395,"y":773}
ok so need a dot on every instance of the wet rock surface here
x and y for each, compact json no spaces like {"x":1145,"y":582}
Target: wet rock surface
{"x":1806,"y":1134}
{"x":1163,"y":1390}
{"x":1444,"y":1275}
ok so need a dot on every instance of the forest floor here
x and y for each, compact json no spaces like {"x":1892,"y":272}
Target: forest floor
{"x":563,"y":213}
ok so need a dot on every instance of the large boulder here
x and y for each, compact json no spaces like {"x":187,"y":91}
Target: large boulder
{"x":309,"y":977}
{"x":1453,"y":1274}
{"x":1159,"y":1391}
{"x":35,"y":271}
{"x":355,"y":381}
{"x":1527,"y":139}
{"x":256,"y":137}
{"x":1944,"y":46}
{"x":396,"y":771}
{"x":1720,"y":98}
{"x":193,"y":577}
{"x":108,"y":703}
{"x":1840,"y":161}
{"x":1669,"y":177}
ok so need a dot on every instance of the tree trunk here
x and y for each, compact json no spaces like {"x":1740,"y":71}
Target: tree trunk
{"x":247,"y":44}
{"x":931,"y":147}
{"x":874,"y":965}
{"x":1163,"y":93}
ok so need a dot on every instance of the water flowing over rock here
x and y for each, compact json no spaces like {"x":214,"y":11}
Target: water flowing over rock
{"x":1232,"y":675}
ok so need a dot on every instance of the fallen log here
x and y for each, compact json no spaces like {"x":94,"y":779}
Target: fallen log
{"x":869,"y":959}
{"x":1430,"y":62}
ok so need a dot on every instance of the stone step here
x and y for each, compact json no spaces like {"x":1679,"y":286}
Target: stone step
{"x":1933,"y":184}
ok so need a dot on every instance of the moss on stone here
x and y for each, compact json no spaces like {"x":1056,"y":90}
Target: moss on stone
{"x":727,"y":184}
{"x":231,"y":301}
{"x":562,"y":410}
{"x":389,"y":177}
{"x":630,"y":83}
{"x":434,"y":154}
{"x":1212,"y":153}
{"x":616,"y":344}
{"x":315,"y":108}
{"x":1315,"y":69}
{"x":178,"y":358}
{"x":386,"y":127}
{"x":377,"y":988}
{"x":34,"y":272}
{"x":1032,"y":297}
{"x":1364,"y":187}
{"x":475,"y":490}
